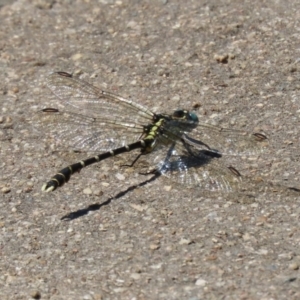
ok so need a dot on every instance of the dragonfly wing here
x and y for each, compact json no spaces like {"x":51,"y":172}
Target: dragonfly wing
{"x":228,"y":141}
{"x":81,"y":97}
{"x":190,"y":166}
{"x":80,"y":132}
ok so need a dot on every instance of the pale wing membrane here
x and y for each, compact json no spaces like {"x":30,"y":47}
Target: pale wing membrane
{"x":202,"y":162}
{"x":79,"y":96}
{"x":220,"y":139}
{"x":86,"y":133}
{"x":230,"y":142}
{"x":190,"y":166}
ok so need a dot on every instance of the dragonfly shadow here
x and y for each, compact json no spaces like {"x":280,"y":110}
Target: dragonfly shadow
{"x":205,"y":156}
{"x":97,"y":206}
{"x":208,"y":156}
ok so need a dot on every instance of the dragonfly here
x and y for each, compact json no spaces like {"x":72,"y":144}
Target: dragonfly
{"x":180,"y":146}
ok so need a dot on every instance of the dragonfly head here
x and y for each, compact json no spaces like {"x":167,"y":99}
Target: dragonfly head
{"x":187,"y":116}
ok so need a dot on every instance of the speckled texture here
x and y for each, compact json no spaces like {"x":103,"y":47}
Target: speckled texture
{"x":238,"y":62}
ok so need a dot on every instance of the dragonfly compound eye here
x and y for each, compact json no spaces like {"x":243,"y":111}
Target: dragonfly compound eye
{"x":179,"y":114}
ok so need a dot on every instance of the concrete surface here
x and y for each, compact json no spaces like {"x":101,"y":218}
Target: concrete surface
{"x":130,"y":237}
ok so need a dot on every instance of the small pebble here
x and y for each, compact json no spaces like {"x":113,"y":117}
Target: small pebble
{"x":154,"y":246}
{"x":35,"y":295}
{"x":15,"y":90}
{"x":120,"y":176}
{"x":222,"y":58}
{"x":138,"y":207}
{"x":167,"y":188}
{"x":87,"y":191}
{"x":200,"y":282}
{"x":175,"y":98}
{"x":294,"y":266}
{"x":246,"y":237}
{"x":76,"y":56}
{"x":285,"y":256}
{"x":185,"y":242}
{"x":98,"y":192}
{"x":5,"y":190}
{"x":135,"y":276}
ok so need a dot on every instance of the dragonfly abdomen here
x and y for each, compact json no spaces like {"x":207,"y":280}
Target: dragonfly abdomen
{"x":65,"y":174}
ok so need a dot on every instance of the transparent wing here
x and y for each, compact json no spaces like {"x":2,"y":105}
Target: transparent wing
{"x":220,"y":139}
{"x":92,"y":119}
{"x":189,"y":166}
{"x":80,"y":132}
{"x":81,"y":97}
{"x":227,"y":141}
{"x":88,"y":118}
